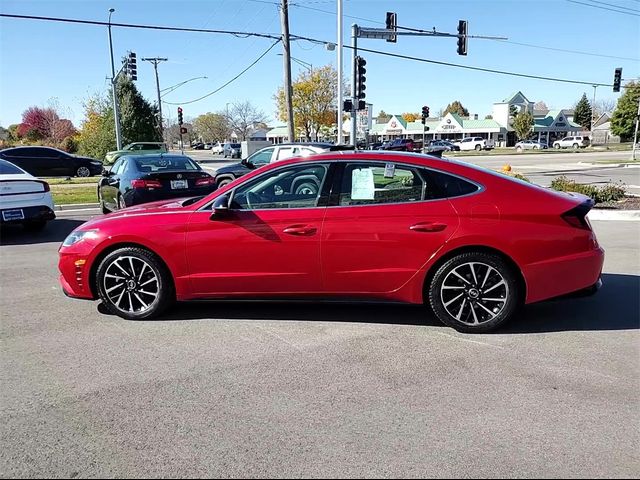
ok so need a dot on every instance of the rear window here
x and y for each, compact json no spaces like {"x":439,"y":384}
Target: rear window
{"x":7,"y":168}
{"x":147,"y":163}
{"x":235,"y":145}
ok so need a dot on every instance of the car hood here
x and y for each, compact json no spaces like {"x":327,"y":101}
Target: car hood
{"x":234,"y":167}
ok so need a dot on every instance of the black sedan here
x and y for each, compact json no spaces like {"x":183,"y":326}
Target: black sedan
{"x":51,"y":162}
{"x":136,"y":179}
{"x":442,"y":146}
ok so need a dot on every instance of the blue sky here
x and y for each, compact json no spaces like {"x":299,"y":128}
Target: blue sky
{"x":41,"y":61}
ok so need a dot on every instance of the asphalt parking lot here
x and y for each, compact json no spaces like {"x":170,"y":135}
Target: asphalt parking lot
{"x":272,"y":389}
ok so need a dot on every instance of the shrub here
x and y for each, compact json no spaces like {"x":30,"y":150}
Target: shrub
{"x":510,"y":173}
{"x":69,"y":145}
{"x":608,"y":193}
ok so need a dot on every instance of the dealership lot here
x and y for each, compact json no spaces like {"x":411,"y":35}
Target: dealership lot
{"x":235,"y":389}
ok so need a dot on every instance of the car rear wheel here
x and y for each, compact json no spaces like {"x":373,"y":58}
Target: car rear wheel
{"x":474,"y":292}
{"x":83,"y":172}
{"x":535,"y":147}
{"x":478,"y":148}
{"x":518,"y":149}
{"x":557,"y":146}
{"x":575,"y":146}
{"x":134,"y":284}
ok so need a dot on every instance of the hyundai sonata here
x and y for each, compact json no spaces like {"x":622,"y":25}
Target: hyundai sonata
{"x":472,"y":244}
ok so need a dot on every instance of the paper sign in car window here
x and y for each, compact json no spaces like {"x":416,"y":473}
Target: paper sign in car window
{"x":362,"y":186}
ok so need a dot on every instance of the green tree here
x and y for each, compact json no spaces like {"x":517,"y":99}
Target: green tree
{"x":137,"y":116}
{"x":488,"y":117}
{"x":97,"y":134}
{"x":456,"y":107}
{"x":211,"y":127}
{"x":314,"y":101}
{"x":383,"y":117}
{"x":582,"y":115}
{"x":625,"y":114}
{"x":523,"y":125}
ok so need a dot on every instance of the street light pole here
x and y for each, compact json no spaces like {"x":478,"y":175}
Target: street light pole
{"x":114,"y":81}
{"x":155,"y":61}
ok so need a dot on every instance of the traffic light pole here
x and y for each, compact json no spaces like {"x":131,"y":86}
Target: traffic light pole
{"x":114,"y":81}
{"x":354,"y":82}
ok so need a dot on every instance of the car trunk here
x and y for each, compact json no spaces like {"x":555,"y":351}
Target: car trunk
{"x":21,"y":190}
{"x":176,"y":181}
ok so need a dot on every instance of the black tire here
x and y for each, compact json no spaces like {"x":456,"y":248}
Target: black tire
{"x":478,"y":148}
{"x":556,"y":146}
{"x":576,"y":146}
{"x":118,"y":303}
{"x":34,"y":225}
{"x":519,"y":149}
{"x":306,"y":188}
{"x":225,"y":181}
{"x":83,"y":171}
{"x":473,"y":292}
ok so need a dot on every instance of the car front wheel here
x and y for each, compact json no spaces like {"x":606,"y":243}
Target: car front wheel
{"x":83,"y":172}
{"x":134,"y":284}
{"x":474,"y":292}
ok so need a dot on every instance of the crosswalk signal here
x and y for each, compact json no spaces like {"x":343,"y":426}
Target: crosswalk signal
{"x":179,"y":115}
{"x":617,"y":79}
{"x":425,"y":114}
{"x":132,"y":67}
{"x":462,"y":37}
{"x":392,"y":24}
{"x":361,"y":77}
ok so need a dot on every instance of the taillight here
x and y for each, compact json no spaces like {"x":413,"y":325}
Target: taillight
{"x":46,"y":186}
{"x":202,"y":182}
{"x":577,"y":216}
{"x":139,"y":183}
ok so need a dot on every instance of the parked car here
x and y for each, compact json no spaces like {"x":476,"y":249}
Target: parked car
{"x":232,"y":150}
{"x":24,"y":199}
{"x":402,"y":145}
{"x":260,"y":238}
{"x":51,"y":162}
{"x":137,"y":148}
{"x":208,"y":145}
{"x":264,"y":156}
{"x":530,"y":145}
{"x":217,"y":149}
{"x":572,"y":142}
{"x":442,"y":145}
{"x":198,"y":146}
{"x":140,"y":179}
{"x":474,"y":143}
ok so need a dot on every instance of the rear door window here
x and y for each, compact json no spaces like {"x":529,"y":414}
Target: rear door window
{"x":376,"y":183}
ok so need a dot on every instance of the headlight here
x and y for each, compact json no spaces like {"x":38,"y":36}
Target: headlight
{"x":96,"y":163}
{"x":79,"y":235}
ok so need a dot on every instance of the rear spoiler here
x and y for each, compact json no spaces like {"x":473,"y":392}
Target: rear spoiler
{"x":577,"y":216}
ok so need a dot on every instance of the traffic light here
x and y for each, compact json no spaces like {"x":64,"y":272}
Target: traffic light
{"x":361,"y":105}
{"x":347,"y":106}
{"x":183,"y":130}
{"x":617,"y":79}
{"x":425,"y":114}
{"x":360,"y":77}
{"x":179,"y":115}
{"x":462,"y":37}
{"x":392,"y":24}
{"x":132,"y":67}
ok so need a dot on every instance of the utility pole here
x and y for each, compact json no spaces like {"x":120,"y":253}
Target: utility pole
{"x":155,"y":61}
{"x":114,"y":81}
{"x":593,"y":111}
{"x":288,"y":91}
{"x":339,"y":60}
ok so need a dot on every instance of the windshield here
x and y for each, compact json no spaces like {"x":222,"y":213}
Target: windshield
{"x":164,"y":163}
{"x":7,"y":168}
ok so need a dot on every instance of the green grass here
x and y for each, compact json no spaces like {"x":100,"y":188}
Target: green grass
{"x":63,"y":195}
{"x":71,"y":181}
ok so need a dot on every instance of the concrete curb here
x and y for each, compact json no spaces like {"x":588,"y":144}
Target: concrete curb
{"x":75,"y":206}
{"x":616,"y":215}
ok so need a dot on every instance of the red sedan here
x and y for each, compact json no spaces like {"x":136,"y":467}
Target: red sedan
{"x":471,"y":243}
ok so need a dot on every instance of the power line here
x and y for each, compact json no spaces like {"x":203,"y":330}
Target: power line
{"x":570,"y":51}
{"x":149,"y":27}
{"x":604,"y":8}
{"x":613,"y":5}
{"x":230,"y":81}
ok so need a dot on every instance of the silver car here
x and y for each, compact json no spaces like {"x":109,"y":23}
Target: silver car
{"x":530,"y":145}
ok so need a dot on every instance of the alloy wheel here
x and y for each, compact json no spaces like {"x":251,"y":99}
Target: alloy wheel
{"x":83,"y":172}
{"x":131,"y":285}
{"x":474,"y":293}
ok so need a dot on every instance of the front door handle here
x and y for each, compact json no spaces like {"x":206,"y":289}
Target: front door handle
{"x":300,"y":230}
{"x":428,"y":227}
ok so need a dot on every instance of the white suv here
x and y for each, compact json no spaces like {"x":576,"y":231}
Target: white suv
{"x":474,"y":143}
{"x":572,"y":142}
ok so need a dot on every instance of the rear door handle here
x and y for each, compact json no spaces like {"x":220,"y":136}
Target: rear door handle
{"x":300,"y":230}
{"x":428,"y":227}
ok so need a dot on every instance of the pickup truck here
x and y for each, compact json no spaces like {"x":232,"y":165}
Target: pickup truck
{"x":474,"y":143}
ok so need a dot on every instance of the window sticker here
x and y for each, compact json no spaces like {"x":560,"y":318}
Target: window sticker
{"x":362,"y":185}
{"x":389,"y":170}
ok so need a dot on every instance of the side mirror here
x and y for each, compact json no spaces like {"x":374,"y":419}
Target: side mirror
{"x":220,"y":208}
